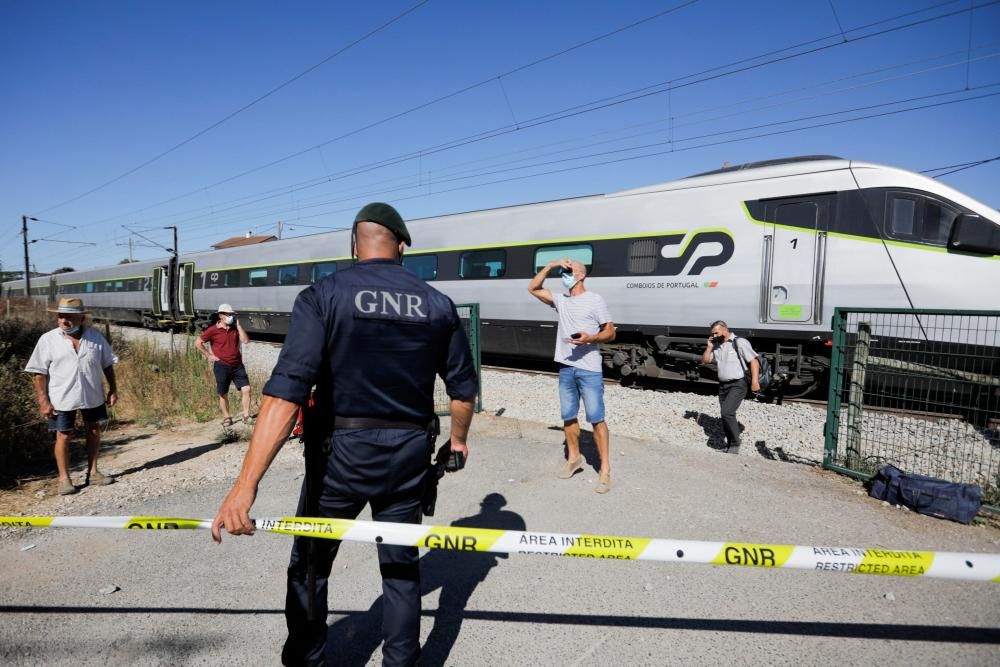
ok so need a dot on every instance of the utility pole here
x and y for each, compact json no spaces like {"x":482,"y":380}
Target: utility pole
{"x":130,"y":249}
{"x":279,"y":230}
{"x":27,"y":267}
{"x":173,"y":249}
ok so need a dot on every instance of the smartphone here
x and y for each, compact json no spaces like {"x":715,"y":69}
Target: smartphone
{"x":576,"y":335}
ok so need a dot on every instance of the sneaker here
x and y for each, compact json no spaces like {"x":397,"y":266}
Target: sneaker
{"x":604,"y":484}
{"x":570,"y":468}
{"x":66,"y":488}
{"x":99,"y":479}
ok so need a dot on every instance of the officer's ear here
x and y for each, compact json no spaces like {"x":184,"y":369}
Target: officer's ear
{"x":402,"y":244}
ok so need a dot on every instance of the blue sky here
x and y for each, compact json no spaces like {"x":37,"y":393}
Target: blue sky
{"x":96,"y":89}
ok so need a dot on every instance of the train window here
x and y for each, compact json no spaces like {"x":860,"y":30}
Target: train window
{"x":321,"y":270}
{"x":198,"y":277}
{"x":642,"y":256}
{"x":425,"y":266}
{"x":902,"y":217}
{"x":483,"y":264}
{"x":132,"y":285}
{"x":800,"y":214}
{"x":288,"y":275}
{"x":938,"y":219}
{"x":119,"y":285}
{"x":257,"y":277}
{"x":581,"y":253}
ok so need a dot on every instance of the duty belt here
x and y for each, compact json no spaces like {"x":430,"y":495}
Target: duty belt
{"x":341,"y":423}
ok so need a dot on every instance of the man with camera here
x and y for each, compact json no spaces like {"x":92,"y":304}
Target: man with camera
{"x":734,"y":358}
{"x":225,"y":337}
{"x":584,"y":323}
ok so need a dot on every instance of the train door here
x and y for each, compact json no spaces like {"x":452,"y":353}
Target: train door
{"x":160,"y":291}
{"x":185,"y":290}
{"x":794,"y":263}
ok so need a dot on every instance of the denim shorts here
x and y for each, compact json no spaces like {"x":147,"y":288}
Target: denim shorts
{"x":225,"y":374}
{"x":575,"y":383}
{"x":66,"y":421}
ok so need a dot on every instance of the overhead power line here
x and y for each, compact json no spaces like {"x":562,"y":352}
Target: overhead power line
{"x":241,"y":109}
{"x":596,"y":105}
{"x":671,"y":149}
{"x":960,"y":167}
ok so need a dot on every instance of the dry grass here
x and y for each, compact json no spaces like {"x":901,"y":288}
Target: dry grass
{"x":159,"y":386}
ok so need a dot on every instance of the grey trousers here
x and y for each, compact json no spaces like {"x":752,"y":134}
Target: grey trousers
{"x":731,"y":394}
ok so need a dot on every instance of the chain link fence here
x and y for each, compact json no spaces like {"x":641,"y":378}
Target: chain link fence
{"x":469,"y":314}
{"x":919,"y":389}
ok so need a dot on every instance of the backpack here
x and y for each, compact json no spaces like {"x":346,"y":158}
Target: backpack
{"x":927,"y":495}
{"x":766,"y":375}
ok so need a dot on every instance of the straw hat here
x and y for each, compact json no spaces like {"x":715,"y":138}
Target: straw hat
{"x":69,"y":305}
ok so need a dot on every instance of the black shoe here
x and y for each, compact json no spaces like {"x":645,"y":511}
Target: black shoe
{"x":733,"y":448}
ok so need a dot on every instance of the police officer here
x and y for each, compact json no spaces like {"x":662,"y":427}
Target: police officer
{"x":371,"y":339}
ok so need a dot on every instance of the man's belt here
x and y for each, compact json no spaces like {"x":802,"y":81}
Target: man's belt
{"x":341,"y":423}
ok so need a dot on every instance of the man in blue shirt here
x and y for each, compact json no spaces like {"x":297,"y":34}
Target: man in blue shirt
{"x":371,"y":339}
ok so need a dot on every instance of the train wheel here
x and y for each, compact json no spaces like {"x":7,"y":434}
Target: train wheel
{"x":800,"y":390}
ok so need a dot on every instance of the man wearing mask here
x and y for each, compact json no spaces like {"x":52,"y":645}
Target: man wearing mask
{"x":225,"y":337}
{"x":584,"y":323}
{"x":68,"y":363}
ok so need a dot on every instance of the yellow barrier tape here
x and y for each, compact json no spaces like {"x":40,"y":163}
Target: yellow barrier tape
{"x":753,"y":555}
{"x":898,"y":563}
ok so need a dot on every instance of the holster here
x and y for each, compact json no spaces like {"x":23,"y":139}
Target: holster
{"x":434,"y":472}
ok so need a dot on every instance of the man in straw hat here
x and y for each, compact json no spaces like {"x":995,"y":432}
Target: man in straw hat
{"x":68,"y":364}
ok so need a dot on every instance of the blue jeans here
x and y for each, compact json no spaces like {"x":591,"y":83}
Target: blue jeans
{"x":575,"y":383}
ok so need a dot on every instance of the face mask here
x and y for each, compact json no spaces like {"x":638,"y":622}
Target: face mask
{"x":228,"y":319}
{"x":568,"y":279}
{"x":71,"y":330}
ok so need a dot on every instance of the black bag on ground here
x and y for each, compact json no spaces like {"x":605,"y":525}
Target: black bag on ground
{"x":927,"y":495}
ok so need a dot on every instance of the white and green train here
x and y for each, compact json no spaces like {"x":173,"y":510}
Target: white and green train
{"x":771,"y":247}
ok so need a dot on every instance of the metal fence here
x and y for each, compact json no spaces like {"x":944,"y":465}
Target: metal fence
{"x":469,"y":314}
{"x":919,"y":389}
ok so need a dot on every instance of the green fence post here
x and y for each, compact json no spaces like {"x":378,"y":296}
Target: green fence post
{"x":833,"y":397}
{"x":856,"y":396}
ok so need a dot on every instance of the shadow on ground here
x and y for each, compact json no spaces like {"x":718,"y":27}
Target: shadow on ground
{"x":354,"y":638}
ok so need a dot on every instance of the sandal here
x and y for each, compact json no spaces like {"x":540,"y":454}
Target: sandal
{"x":227,"y":422}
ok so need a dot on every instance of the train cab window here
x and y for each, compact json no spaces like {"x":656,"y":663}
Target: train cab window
{"x":288,"y":275}
{"x":583,"y":253}
{"x":425,"y":266}
{"x":482,"y":264}
{"x":321,"y":270}
{"x":938,"y":219}
{"x":257,"y":277}
{"x":902,"y":217}
{"x":642,"y":256}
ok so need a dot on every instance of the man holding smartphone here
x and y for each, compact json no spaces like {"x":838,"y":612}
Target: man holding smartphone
{"x":225,"y":337}
{"x":584,"y":323}
{"x":735,"y":358}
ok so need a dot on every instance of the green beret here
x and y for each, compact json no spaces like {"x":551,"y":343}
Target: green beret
{"x":386,"y":216}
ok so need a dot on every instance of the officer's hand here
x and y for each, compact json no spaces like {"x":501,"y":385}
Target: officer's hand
{"x":234,"y":515}
{"x":460,"y":447}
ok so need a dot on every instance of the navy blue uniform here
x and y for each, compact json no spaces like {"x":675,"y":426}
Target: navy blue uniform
{"x":371,"y":339}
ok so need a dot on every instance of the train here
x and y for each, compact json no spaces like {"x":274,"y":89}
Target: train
{"x":770,"y":247}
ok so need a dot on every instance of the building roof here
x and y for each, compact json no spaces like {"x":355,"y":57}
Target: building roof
{"x":237,"y":241}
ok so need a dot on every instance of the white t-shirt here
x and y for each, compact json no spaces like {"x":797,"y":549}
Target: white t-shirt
{"x":728,"y":360}
{"x":585,"y":313}
{"x":76,"y":377}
